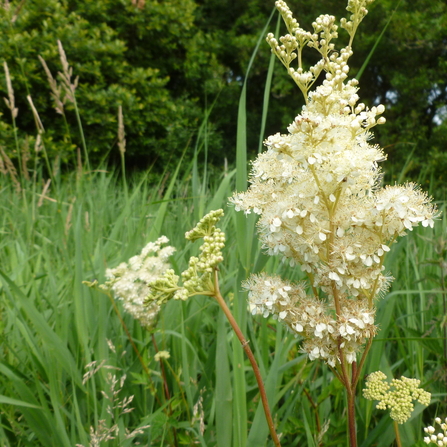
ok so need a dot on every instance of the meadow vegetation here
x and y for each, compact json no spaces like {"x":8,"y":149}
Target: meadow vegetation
{"x":77,"y":370}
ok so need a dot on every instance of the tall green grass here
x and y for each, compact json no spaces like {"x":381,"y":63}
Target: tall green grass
{"x":53,"y":326}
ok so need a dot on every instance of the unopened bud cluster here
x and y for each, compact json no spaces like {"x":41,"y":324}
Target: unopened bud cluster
{"x":324,"y":31}
{"x":439,"y":438}
{"x":317,"y":192}
{"x":359,"y":11}
{"x":397,"y":396}
{"x":197,"y":278}
{"x":129,"y":281}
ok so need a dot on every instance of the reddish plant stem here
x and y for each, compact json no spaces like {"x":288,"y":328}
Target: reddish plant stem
{"x":250,"y":356}
{"x":163,"y":372}
{"x":166,"y":389}
{"x":356,"y":377}
{"x":315,"y":408}
{"x":129,"y":337}
{"x":350,"y":386}
{"x":143,"y":364}
{"x":351,"y":417}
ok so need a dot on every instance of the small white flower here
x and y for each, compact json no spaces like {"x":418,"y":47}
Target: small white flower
{"x":319,"y":329}
{"x":277,"y":222}
{"x":334,"y":276}
{"x":161,"y":355}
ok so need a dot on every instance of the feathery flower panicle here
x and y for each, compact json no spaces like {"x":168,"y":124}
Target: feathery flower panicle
{"x":311,"y":318}
{"x":316,"y":191}
{"x":439,"y":438}
{"x":398,"y":396}
{"x":130,"y":281}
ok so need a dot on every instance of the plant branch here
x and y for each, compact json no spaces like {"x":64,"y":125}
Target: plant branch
{"x":396,"y":431}
{"x":250,"y":356}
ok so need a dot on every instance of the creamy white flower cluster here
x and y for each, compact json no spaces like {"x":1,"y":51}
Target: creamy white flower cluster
{"x":316,"y":189}
{"x":399,"y":399}
{"x":324,"y":334}
{"x":436,"y":438}
{"x":197,"y":278}
{"x":129,"y":281}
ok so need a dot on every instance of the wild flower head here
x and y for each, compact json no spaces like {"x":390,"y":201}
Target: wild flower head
{"x":317,"y":192}
{"x":129,"y":281}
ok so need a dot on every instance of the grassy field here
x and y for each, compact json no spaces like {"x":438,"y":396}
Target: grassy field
{"x":55,"y":329}
{"x":76,"y":370}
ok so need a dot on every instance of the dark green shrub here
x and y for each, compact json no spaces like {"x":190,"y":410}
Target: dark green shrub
{"x":149,"y":60}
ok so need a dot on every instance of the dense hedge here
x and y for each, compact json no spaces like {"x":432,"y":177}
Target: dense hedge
{"x":168,"y":62}
{"x":150,"y":60}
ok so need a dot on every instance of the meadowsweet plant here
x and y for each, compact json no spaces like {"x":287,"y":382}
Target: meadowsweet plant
{"x":317,"y":192}
{"x":129,"y":283}
{"x":201,"y":278}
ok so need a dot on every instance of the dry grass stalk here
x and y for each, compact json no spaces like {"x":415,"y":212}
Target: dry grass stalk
{"x":17,"y":11}
{"x":67,"y":73}
{"x":79,"y":158}
{"x":38,"y":144}
{"x":37,"y":120}
{"x":121,"y":134}
{"x":11,"y":101}
{"x":25,"y":158}
{"x":87,"y":224}
{"x":10,"y":169}
{"x":3,"y":169}
{"x":116,"y":407}
{"x":199,"y":414}
{"x":56,"y":165}
{"x":139,"y":3}
{"x":5,"y":5}
{"x":44,"y":192}
{"x":69,"y":215}
{"x":56,"y":90}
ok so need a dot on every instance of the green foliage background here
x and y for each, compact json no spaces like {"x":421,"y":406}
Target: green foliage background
{"x":169,"y":63}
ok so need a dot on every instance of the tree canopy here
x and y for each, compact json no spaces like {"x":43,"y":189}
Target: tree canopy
{"x":169,"y":63}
